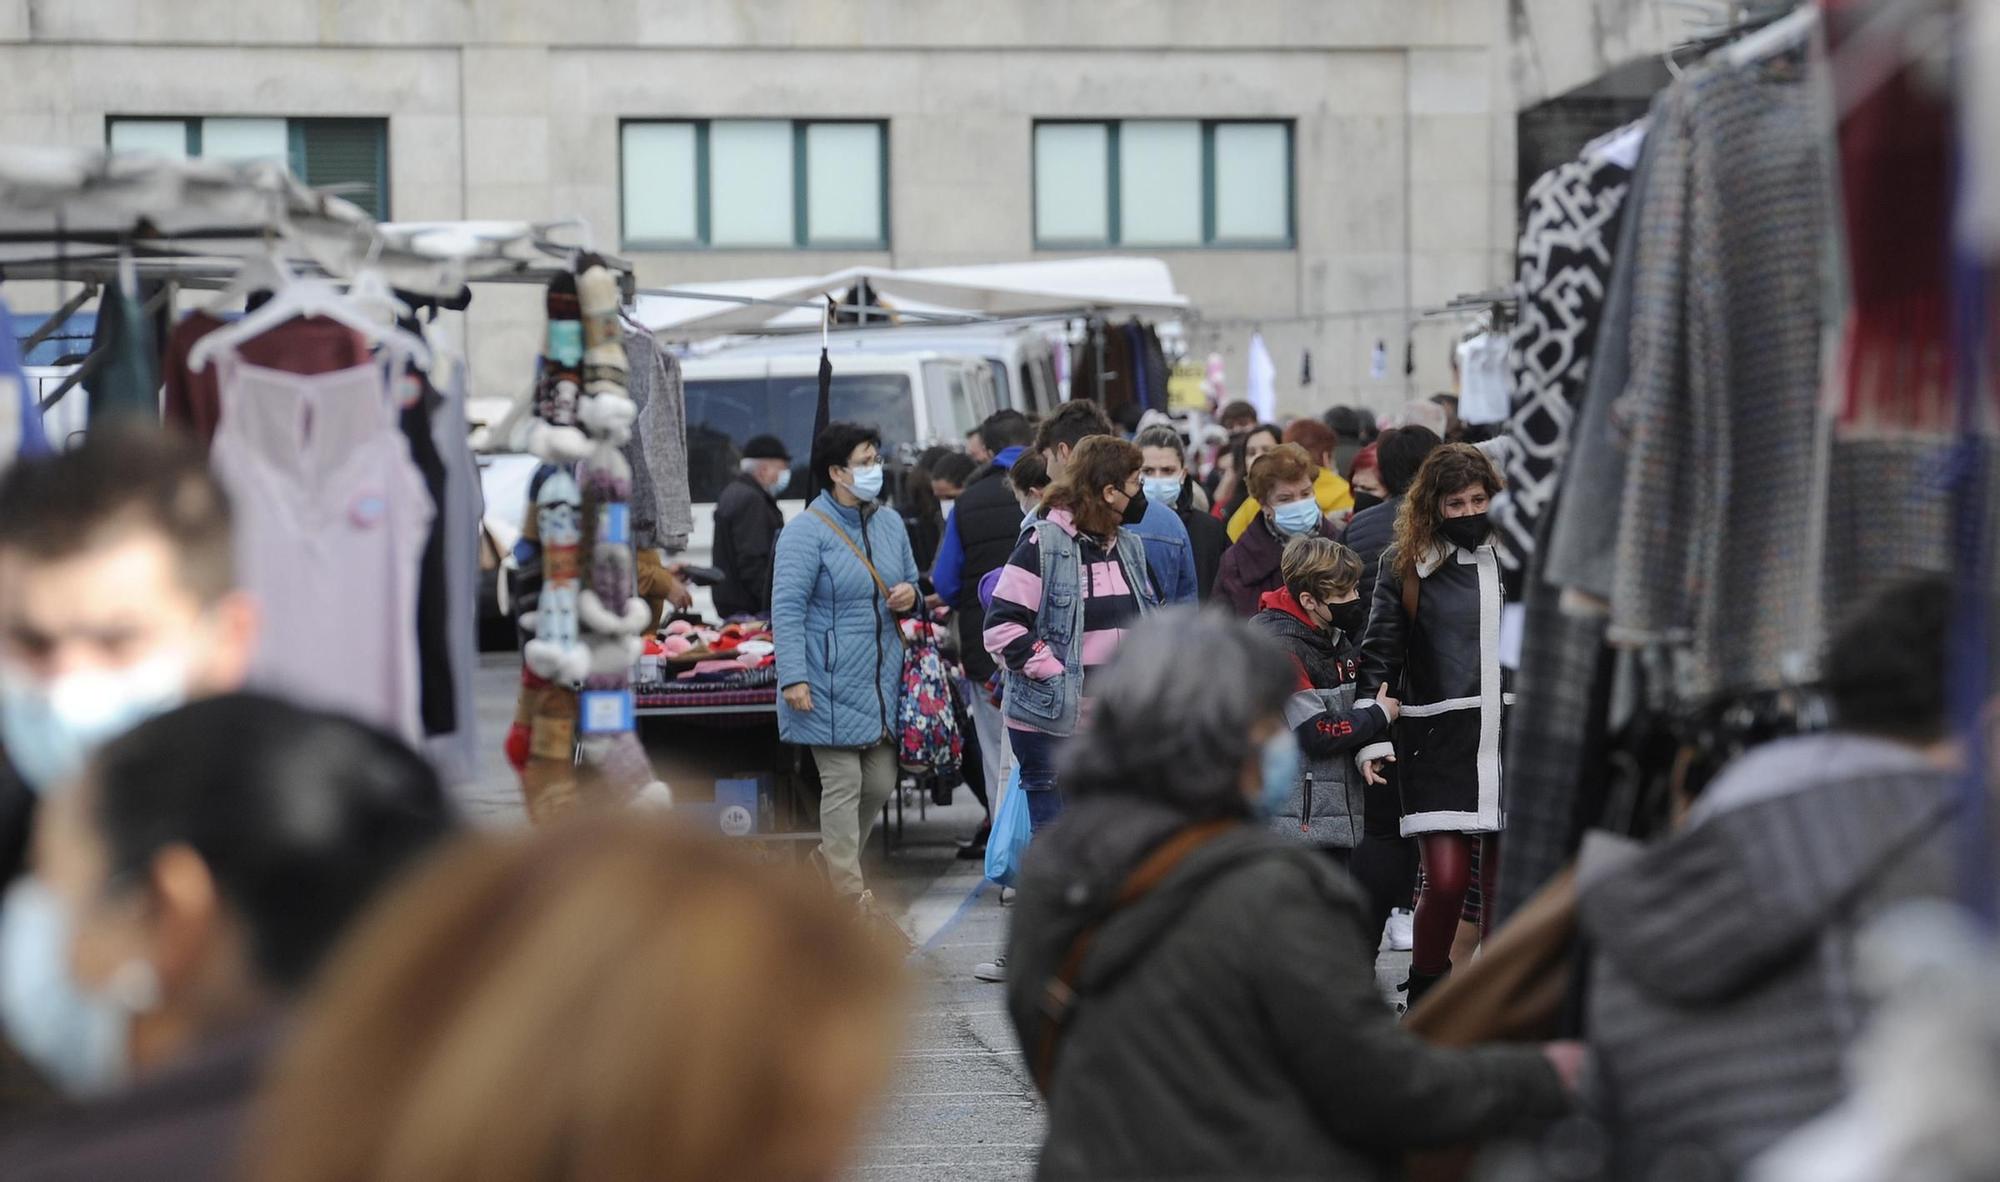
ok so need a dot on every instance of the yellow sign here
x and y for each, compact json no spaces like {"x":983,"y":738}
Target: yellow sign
{"x":1187,"y":387}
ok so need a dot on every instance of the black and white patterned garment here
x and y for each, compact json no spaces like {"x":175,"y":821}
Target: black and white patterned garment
{"x":1570,"y":230}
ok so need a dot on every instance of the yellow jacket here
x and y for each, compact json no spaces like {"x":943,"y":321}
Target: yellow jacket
{"x":1330,"y":489}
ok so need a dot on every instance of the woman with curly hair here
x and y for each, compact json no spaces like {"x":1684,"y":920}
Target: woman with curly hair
{"x":1075,"y":583}
{"x":1434,"y":642}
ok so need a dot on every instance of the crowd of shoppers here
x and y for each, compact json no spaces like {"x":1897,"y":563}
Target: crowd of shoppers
{"x":241,"y":939}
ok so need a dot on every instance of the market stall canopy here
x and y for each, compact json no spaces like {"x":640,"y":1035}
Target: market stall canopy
{"x":69,"y":213}
{"x":1053,"y":287}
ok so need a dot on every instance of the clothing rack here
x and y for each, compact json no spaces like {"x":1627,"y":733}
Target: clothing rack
{"x":99,"y":218}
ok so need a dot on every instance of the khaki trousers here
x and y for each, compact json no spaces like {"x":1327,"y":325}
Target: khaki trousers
{"x":854,"y":785}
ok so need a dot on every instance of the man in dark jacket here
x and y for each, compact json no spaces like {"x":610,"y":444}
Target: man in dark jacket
{"x":747,"y":521}
{"x":983,"y":529}
{"x":1399,"y":453}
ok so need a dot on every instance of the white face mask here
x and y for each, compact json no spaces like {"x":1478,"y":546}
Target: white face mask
{"x":49,"y":728}
{"x":79,"y":1038}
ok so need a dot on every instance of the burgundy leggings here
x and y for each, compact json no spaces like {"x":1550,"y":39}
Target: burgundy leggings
{"x":1447,"y":860}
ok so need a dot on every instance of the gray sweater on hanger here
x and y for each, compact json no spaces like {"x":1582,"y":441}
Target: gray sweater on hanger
{"x":662,"y":514}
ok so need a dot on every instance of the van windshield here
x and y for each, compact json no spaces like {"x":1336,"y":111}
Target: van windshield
{"x":723,"y":413}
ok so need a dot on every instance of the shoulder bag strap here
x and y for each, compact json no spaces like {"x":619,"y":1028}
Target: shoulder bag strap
{"x":1059,"y":996}
{"x":1412,"y":586}
{"x":873,"y":573}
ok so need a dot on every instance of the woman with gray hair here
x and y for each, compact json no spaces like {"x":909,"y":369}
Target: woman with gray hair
{"x":1196,"y":995}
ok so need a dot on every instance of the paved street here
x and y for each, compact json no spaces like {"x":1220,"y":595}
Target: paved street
{"x":962,"y":1105}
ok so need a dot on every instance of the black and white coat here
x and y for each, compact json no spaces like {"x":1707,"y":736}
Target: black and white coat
{"x":1445,"y":667}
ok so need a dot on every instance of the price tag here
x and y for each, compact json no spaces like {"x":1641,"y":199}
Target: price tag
{"x":614,"y":524}
{"x":605,"y":712}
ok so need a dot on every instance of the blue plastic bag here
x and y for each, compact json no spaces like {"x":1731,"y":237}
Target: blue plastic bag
{"x":1009,"y":838}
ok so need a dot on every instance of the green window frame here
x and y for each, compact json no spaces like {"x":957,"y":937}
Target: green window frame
{"x":349,"y":156}
{"x":1211,"y":239}
{"x":801,"y":238}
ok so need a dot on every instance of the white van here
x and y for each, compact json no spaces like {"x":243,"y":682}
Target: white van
{"x":1018,"y":355}
{"x":914,"y":399}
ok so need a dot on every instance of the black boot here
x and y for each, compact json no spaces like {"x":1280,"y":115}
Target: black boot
{"x":1419,"y":984}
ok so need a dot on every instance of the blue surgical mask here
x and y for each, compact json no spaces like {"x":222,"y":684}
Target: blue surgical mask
{"x":1279,"y":763}
{"x":80,"y":1039}
{"x":784,"y":482}
{"x":867,"y":482}
{"x":50,"y":727}
{"x":1298,"y":518}
{"x":1164,"y":489}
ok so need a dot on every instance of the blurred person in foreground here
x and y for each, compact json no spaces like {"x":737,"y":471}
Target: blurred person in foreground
{"x":1168,"y":551}
{"x":1168,"y":482}
{"x":186,"y":888}
{"x":843,"y":575}
{"x":1196,"y":995}
{"x":1281,"y":486}
{"x":1063,"y":603}
{"x":118,"y":600}
{"x":1318,"y":620}
{"x":1725,"y":993}
{"x":1442,"y":661}
{"x":747,"y":523}
{"x":612,"y":998}
{"x":1330,"y":488}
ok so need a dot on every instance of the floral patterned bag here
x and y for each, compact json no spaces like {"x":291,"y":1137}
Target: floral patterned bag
{"x":928,"y":738}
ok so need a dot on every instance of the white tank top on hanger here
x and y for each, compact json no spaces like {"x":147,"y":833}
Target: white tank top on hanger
{"x":331,"y":521}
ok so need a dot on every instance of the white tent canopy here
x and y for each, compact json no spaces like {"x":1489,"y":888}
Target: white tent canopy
{"x":1051,"y":287}
{"x":72,"y":213}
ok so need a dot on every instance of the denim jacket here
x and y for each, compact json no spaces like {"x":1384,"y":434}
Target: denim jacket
{"x":1051,"y":705}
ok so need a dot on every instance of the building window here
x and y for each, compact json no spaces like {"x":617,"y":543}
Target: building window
{"x":348,"y":157}
{"x":751,"y":184}
{"x":1163,"y":183}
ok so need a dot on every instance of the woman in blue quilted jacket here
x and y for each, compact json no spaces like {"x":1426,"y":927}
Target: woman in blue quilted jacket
{"x":842,"y":573}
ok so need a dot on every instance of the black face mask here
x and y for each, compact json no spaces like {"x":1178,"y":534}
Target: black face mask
{"x":1135,"y":509}
{"x":1364,"y":500}
{"x":1351,"y":618}
{"x":1467,"y":533}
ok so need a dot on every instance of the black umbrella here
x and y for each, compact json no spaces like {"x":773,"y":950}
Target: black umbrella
{"x":823,"y":410}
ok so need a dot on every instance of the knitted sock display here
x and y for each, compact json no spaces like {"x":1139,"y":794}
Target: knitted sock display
{"x":558,"y":652}
{"x":612,"y":616}
{"x":553,"y":434}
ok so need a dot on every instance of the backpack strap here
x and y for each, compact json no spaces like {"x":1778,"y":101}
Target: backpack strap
{"x":1059,"y":996}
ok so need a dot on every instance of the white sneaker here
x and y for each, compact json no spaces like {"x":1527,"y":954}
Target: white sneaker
{"x":1006,"y":896}
{"x":993,"y":971}
{"x":1400,"y":930}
